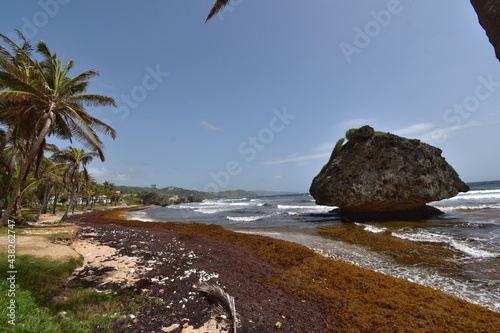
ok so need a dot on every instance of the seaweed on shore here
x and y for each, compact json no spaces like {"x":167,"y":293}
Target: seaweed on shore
{"x":271,"y":278}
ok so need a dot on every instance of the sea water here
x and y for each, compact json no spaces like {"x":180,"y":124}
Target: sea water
{"x":470,"y":225}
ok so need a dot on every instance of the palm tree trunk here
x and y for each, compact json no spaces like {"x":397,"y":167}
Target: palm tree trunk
{"x":56,"y":197}
{"x":45,"y":201}
{"x":72,"y":198}
{"x":26,"y":166}
{"x":8,"y":182}
{"x":6,"y":138}
{"x":93,"y":200}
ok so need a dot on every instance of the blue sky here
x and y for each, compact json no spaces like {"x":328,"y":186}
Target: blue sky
{"x":256,"y":98}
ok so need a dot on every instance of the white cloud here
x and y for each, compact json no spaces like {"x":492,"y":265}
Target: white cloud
{"x":441,"y":134}
{"x":414,"y":129}
{"x":102,"y":174}
{"x":209,"y":126}
{"x":98,"y":172}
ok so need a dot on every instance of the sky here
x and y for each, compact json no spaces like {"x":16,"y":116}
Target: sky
{"x":256,"y":98}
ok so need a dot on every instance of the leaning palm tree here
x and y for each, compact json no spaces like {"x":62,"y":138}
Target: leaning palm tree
{"x":50,"y":176}
{"x":16,"y":114}
{"x":76,"y":158}
{"x":57,"y":102}
{"x":7,"y":164}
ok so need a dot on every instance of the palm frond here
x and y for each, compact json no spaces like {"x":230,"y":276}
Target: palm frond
{"x":217,"y":7}
{"x":93,"y":100}
{"x":224,"y":303}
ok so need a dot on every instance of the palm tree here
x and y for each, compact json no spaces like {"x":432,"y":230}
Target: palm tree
{"x":108,"y":191}
{"x":50,"y":178}
{"x":76,"y":158}
{"x":14,"y":112}
{"x":9,"y":162}
{"x":89,"y":192}
{"x":56,"y":102}
{"x":94,"y":193}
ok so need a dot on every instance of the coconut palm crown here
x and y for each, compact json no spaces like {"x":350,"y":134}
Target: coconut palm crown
{"x":38,"y":98}
{"x":76,"y":158}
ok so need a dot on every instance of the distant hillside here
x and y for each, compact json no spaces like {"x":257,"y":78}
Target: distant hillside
{"x":185,"y":193}
{"x":271,"y":193}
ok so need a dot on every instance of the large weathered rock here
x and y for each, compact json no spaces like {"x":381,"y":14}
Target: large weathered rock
{"x":381,"y":176}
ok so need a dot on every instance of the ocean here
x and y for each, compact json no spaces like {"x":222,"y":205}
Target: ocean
{"x":470,"y":228}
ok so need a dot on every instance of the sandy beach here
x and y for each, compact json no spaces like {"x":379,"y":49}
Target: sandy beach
{"x":272,"y":281}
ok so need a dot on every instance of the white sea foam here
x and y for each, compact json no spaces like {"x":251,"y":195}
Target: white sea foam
{"x":471,"y":206}
{"x":421,"y":236}
{"x":244,"y":218}
{"x":471,"y":251}
{"x":425,"y":236}
{"x":140,"y":216}
{"x":291,"y":207}
{"x":212,"y":207}
{"x":475,"y":234}
{"x":378,"y":262}
{"x":261,"y":233}
{"x":311,"y":209}
{"x":473,"y":196}
{"x":182,"y":207}
{"x":479,"y":199}
{"x":209,"y":210}
{"x":373,"y":229}
{"x":212,"y":203}
{"x":478,"y":195}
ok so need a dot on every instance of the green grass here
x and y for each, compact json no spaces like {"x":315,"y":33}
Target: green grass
{"x":42,"y":293}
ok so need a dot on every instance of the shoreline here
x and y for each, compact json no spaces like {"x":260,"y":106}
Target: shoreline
{"x":390,"y":255}
{"x":352,"y":299}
